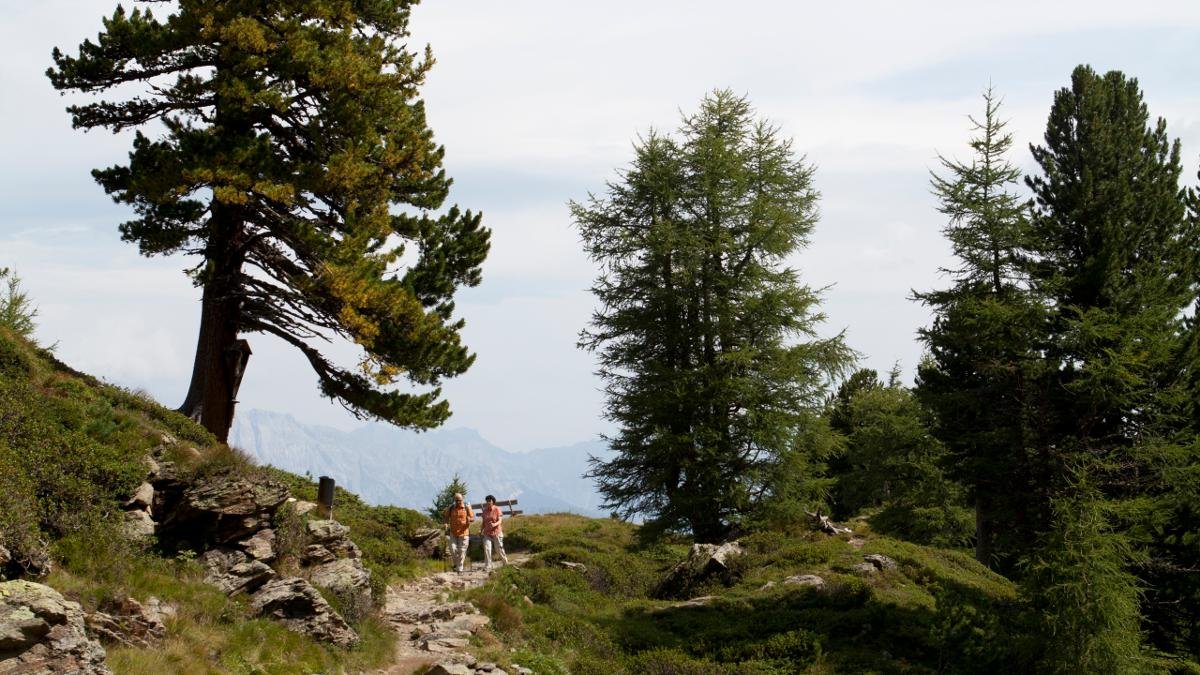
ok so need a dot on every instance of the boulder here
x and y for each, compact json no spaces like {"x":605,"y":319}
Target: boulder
{"x":138,"y":525}
{"x":224,"y":509}
{"x":41,"y":632}
{"x":131,"y":624}
{"x":261,"y":546}
{"x":805,"y":580}
{"x":142,"y":499}
{"x":299,"y":606}
{"x":316,"y":554}
{"x":233,"y":571}
{"x":302,"y":507}
{"x":864,"y":568}
{"x":425,"y":541}
{"x":346,"y":577}
{"x":326,"y":531}
{"x":704,"y":561}
{"x":5,"y":557}
{"x":881,"y":562}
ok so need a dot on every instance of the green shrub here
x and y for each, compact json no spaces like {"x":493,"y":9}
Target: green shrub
{"x":670,"y":662}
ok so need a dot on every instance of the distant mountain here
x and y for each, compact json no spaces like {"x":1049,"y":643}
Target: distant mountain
{"x":386,"y":465}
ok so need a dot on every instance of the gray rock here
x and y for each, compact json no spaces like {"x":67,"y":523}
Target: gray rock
{"x":578,"y":567}
{"x":302,"y":507}
{"x":805,"y":580}
{"x":703,"y":561}
{"x":345,"y":576}
{"x":233,"y":571}
{"x":41,"y":632}
{"x":442,"y":644}
{"x":449,"y":668}
{"x":425,"y":542}
{"x":224,"y":509}
{"x":299,"y":606}
{"x":138,"y":525}
{"x":5,"y":558}
{"x":881,"y":562}
{"x":131,"y":624}
{"x":261,"y":546}
{"x":316,"y":554}
{"x":864,"y":568}
{"x":143,"y":498}
{"x":326,"y":531}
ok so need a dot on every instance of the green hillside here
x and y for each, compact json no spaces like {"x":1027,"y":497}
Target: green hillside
{"x":937,"y":611}
{"x":72,"y":450}
{"x":593,"y":597}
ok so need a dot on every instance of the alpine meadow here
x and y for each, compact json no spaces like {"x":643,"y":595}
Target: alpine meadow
{"x":871,"y":333}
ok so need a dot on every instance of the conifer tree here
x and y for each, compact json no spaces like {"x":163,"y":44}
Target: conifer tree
{"x":1082,"y":592}
{"x":978,"y":379}
{"x":284,"y":145}
{"x":705,"y":338}
{"x":1116,"y":260}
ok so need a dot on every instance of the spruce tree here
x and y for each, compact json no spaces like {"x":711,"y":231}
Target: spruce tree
{"x":706,"y":340}
{"x":1115,"y":259}
{"x":283,"y":145}
{"x":979,"y":379}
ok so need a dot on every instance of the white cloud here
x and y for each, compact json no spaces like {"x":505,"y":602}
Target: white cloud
{"x":539,"y":102}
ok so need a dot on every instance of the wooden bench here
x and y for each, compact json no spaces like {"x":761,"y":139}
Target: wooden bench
{"x":510,"y":503}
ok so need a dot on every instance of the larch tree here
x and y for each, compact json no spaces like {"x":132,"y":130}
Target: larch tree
{"x":705,"y":338}
{"x":284,"y":145}
{"x":1115,"y":257}
{"x":979,"y":378}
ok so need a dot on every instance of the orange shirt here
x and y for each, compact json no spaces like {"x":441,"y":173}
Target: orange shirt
{"x":459,"y":519}
{"x":491,"y":520}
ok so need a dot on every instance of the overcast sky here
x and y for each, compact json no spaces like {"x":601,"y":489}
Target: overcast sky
{"x":538,"y":102}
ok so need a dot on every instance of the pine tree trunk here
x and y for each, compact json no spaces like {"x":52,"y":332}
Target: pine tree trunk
{"x":216,"y":370}
{"x":983,"y":530}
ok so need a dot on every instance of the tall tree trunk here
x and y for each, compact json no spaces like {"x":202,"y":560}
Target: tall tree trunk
{"x":220,"y":357}
{"x":984,"y":533}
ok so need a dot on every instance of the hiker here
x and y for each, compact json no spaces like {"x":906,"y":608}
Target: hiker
{"x":458,"y":519}
{"x":492,"y":532}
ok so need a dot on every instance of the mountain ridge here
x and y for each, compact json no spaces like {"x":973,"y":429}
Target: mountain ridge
{"x":387,"y":465}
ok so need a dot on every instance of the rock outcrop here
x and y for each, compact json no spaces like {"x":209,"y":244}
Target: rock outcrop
{"x":41,"y":632}
{"x":224,"y":509}
{"x":300,"y":607}
{"x":130,"y":624}
{"x":234,"y":572}
{"x":704,"y":562}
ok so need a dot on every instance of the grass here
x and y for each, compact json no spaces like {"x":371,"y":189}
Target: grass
{"x":930,"y":614}
{"x":71,"y":451}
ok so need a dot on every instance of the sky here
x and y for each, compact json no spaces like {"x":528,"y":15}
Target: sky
{"x":539,"y":102}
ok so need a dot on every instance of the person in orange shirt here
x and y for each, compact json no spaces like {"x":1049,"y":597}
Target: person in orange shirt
{"x":458,"y":518}
{"x":493,"y":534}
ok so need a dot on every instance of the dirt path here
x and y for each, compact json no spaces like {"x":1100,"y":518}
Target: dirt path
{"x":434,"y":629}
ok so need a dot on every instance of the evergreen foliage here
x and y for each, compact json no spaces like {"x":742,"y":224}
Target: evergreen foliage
{"x":17,"y":312}
{"x":891,"y":464}
{"x":1083,"y":592}
{"x":445,"y":499}
{"x":706,"y":340}
{"x":295,"y":160}
{"x":1116,"y":260}
{"x":980,"y":379}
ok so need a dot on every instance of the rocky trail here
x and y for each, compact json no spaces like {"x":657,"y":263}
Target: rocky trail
{"x":436,"y":630}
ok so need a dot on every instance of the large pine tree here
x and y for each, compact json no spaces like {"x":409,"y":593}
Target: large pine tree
{"x":283,"y":144}
{"x":978,"y":378}
{"x":705,"y":337}
{"x":1115,"y":260}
